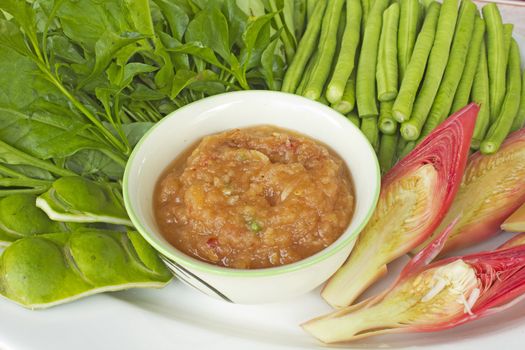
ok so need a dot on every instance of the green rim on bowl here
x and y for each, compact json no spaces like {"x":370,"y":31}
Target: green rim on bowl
{"x":173,"y":254}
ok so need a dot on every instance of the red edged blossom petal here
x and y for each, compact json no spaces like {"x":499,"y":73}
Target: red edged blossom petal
{"x":493,"y":187}
{"x":415,"y":195}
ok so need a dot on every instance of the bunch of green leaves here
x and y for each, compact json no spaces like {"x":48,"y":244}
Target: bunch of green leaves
{"x":83,"y":79}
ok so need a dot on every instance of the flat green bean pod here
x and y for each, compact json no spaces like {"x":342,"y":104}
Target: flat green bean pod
{"x":46,"y":270}
{"x":77,"y":199}
{"x":20,"y":217}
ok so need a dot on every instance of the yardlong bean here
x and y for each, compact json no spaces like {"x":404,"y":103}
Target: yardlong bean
{"x":509,"y":109}
{"x":347,"y":102}
{"x":454,"y":69}
{"x":305,"y":49}
{"x":346,"y":60}
{"x":404,"y":102}
{"x":327,"y":47}
{"x":387,"y":68}
{"x":354,"y":118}
{"x":520,"y":117}
{"x":406,"y":37}
{"x":387,"y":124}
{"x":481,"y":95}
{"x":496,"y":58}
{"x":437,"y":62}
{"x":370,"y":130}
{"x":461,"y":99}
{"x":366,"y":68}
{"x":387,"y":151}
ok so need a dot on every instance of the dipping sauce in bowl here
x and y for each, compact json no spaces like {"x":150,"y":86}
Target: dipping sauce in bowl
{"x":254,"y":198}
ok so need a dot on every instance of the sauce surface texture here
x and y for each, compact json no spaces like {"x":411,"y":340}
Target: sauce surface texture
{"x":254,"y":198}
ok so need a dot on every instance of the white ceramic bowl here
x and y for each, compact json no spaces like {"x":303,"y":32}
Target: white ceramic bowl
{"x":182,"y":128}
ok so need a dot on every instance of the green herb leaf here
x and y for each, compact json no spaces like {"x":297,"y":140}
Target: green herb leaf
{"x":210,"y":28}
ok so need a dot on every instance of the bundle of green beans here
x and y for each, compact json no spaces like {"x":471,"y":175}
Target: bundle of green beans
{"x":399,"y":68}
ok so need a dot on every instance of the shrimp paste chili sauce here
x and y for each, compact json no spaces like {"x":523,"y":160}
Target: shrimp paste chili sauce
{"x":254,"y":198}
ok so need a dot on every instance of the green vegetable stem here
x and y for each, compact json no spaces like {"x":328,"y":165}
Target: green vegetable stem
{"x":481,"y":95}
{"x":461,"y":99}
{"x":299,"y":17}
{"x":402,"y":109}
{"x":503,"y":124}
{"x":371,"y":131}
{"x":454,"y":69}
{"x":387,"y":124}
{"x":507,"y":38}
{"x":305,"y":49}
{"x":387,"y":151}
{"x":310,"y":8}
{"x":437,"y":62}
{"x":354,"y":118}
{"x":520,"y":117}
{"x":366,"y":68}
{"x":496,"y":57}
{"x":51,"y":269}
{"x":345,"y":64}
{"x":387,"y":67}
{"x":287,"y":35}
{"x":326,"y":50}
{"x":406,"y":39}
{"x":347,"y":102}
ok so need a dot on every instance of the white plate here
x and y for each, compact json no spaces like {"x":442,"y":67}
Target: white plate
{"x":178,"y":317}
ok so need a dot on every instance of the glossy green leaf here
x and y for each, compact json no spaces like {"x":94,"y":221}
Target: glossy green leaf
{"x":268,"y":63}
{"x":210,"y":28}
{"x":256,"y":39}
{"x":46,"y":135}
{"x":198,"y":50}
{"x":176,"y":17}
{"x":252,"y":8}
{"x":13,"y":156}
{"x":237,"y":21}
{"x":106,"y":48}
{"x":12,"y":37}
{"x":139,"y":11}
